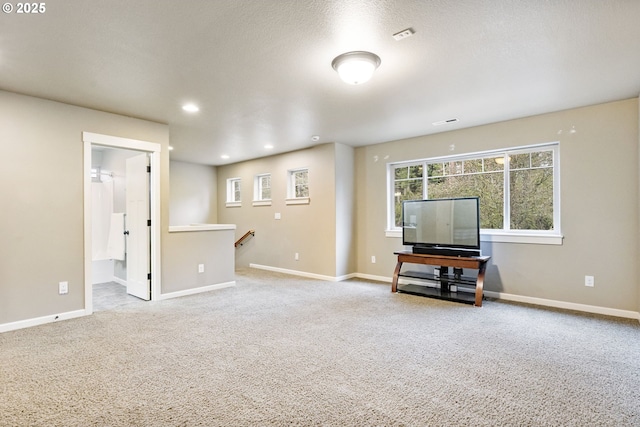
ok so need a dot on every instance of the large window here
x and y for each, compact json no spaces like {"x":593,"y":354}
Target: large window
{"x":518,"y":188}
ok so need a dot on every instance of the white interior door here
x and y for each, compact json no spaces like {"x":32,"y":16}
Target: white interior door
{"x":137,"y":227}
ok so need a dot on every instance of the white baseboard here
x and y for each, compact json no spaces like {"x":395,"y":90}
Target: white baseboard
{"x":196,"y":290}
{"x":119,"y":281}
{"x":564,"y":305}
{"x":27,"y":323}
{"x":373,"y":277}
{"x":303,"y":273}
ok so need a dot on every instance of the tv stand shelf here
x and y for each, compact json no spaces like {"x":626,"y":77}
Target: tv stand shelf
{"x":467,"y":289}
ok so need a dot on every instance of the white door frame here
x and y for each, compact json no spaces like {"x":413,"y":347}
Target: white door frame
{"x":153,"y":149}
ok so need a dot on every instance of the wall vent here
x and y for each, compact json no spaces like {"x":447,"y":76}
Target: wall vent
{"x":445,"y":122}
{"x":403,"y":34}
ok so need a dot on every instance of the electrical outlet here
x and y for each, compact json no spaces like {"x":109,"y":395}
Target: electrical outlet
{"x":63,"y":288}
{"x":373,"y":259}
{"x":200,"y":268}
{"x":296,"y":257}
{"x":589,"y":281}
{"x":277,"y":215}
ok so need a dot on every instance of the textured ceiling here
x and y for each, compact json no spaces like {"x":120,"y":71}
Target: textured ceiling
{"x":260,"y":70}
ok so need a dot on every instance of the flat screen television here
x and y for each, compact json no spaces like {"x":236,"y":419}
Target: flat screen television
{"x":442,"y":226}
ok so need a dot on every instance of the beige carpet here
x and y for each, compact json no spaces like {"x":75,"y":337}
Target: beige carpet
{"x":278,"y":350}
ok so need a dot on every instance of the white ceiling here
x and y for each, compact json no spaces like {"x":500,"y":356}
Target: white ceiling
{"x":260,"y":70}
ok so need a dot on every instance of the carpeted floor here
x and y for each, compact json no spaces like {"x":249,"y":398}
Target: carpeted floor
{"x":279,"y":350}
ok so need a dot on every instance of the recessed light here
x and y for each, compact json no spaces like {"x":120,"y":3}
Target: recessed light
{"x":269,"y":147}
{"x":190,"y":108}
{"x":224,"y":156}
{"x":315,"y":138}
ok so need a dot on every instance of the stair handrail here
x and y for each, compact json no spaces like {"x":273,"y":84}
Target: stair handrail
{"x":246,"y":235}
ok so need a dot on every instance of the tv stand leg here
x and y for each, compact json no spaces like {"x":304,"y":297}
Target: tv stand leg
{"x":480,"y":284}
{"x":444,"y":279}
{"x":394,"y":281}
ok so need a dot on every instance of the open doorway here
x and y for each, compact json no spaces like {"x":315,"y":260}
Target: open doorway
{"x":121,"y":211}
{"x":119,"y":203}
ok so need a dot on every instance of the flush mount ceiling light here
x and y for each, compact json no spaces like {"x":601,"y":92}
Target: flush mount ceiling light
{"x":356,"y":67}
{"x":190,"y":108}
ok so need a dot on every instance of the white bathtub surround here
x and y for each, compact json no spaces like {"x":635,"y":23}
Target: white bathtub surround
{"x":116,"y":242}
{"x":101,"y":210}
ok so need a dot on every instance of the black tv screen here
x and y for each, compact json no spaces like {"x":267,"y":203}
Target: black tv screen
{"x":448,"y":223}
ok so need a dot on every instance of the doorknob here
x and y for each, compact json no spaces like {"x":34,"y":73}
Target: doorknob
{"x":126,"y":232}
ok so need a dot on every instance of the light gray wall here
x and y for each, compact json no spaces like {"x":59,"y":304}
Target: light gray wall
{"x":309,"y":230}
{"x":345,"y":210}
{"x":193,"y":194}
{"x":41,"y":187}
{"x":183,"y":251}
{"x":599,"y":204}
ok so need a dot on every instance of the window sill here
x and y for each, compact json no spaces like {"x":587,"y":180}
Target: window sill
{"x":535,"y":239}
{"x":262,"y":203}
{"x":234,"y":204}
{"x":298,"y":201}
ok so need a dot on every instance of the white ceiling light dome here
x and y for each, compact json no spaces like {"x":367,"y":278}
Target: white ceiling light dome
{"x":356,"y":67}
{"x":191,"y":108}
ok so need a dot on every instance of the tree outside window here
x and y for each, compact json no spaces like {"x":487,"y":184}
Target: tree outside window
{"x":517,"y":188}
{"x":263,"y":187}
{"x":233,"y":190}
{"x":299,"y":183}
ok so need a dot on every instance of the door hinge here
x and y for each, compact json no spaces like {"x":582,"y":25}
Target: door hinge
{"x":148,"y":276}
{"x":149,"y":222}
{"x":149,"y":169}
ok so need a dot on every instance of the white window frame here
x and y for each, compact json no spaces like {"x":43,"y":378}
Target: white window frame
{"x":291,"y":188}
{"x":257,"y":190}
{"x":505,"y":235}
{"x":231,"y":199}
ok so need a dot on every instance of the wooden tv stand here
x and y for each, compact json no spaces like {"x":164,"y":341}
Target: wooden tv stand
{"x":444,"y":281}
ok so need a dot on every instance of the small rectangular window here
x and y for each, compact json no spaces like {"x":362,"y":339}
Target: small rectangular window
{"x":298,"y":186}
{"x":262,"y":190}
{"x":234,"y":192}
